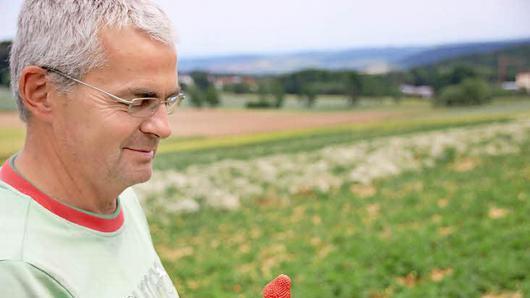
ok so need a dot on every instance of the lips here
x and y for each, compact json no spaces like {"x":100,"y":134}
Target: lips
{"x":139,"y":150}
{"x":149,"y":153}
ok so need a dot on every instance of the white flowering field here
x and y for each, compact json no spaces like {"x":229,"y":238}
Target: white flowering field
{"x":438,"y":212}
{"x":227,"y":183}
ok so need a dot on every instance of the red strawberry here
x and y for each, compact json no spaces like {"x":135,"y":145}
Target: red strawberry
{"x":280,"y":287}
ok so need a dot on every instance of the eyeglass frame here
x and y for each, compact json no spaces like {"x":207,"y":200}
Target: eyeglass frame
{"x":179,"y":97}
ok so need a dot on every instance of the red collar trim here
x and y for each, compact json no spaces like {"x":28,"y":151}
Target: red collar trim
{"x":11,"y":177}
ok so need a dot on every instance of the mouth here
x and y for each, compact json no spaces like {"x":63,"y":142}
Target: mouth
{"x":145,"y":152}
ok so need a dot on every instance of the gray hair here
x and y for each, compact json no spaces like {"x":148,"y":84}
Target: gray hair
{"x":63,"y":34}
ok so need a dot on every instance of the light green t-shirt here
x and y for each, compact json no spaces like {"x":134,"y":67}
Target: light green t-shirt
{"x":49,"y":249}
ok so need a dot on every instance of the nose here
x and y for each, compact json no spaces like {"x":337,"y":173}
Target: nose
{"x":157,"y":124}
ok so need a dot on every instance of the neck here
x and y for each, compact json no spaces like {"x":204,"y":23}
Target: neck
{"x":41,"y":163}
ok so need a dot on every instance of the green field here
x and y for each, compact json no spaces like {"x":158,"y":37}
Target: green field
{"x":443,"y":232}
{"x":429,"y":206}
{"x":456,"y":225}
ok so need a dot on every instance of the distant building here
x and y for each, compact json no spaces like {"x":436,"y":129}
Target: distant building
{"x":221,"y":81}
{"x":417,"y":91}
{"x":522,"y":80}
{"x":509,"y":86}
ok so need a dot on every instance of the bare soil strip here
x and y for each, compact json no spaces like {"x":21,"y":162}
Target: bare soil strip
{"x":211,"y":122}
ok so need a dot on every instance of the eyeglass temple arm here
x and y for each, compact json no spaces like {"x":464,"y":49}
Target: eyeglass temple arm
{"x":50,"y":69}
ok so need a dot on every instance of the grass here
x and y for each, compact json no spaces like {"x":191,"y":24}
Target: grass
{"x":323,"y":103}
{"x":11,"y":140}
{"x":444,"y":232}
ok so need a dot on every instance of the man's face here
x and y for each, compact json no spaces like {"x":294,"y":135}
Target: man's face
{"x":96,"y":137}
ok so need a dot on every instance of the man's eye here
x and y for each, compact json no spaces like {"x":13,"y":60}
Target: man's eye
{"x":142,"y":102}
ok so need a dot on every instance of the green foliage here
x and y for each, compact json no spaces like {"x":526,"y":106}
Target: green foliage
{"x":485,"y":66}
{"x":309,"y":94}
{"x":460,"y":73}
{"x":294,"y":83}
{"x":211,"y":97}
{"x":260,"y":104}
{"x":433,"y":233}
{"x":4,"y":62}
{"x":4,"y":78}
{"x":238,"y":88}
{"x":353,"y":87}
{"x":200,"y":79}
{"x":378,"y":86}
{"x":309,"y":84}
{"x":422,"y":77}
{"x":469,"y":92}
{"x":202,"y":92}
{"x":196,"y":96}
{"x":278,"y":92}
{"x":271,"y":94}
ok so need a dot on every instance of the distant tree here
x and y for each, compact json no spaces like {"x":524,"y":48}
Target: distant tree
{"x":278,"y":92}
{"x":309,"y":95}
{"x":476,"y":90}
{"x":5,"y":47}
{"x":211,"y":97}
{"x":460,"y":73}
{"x":422,"y":76}
{"x":196,"y":96}
{"x":238,"y":88}
{"x":200,"y":80}
{"x":4,"y":78}
{"x":203,"y":92}
{"x":471,"y":91}
{"x":263,"y":91}
{"x":352,"y":87}
{"x":372,"y":86}
{"x":270,"y":94}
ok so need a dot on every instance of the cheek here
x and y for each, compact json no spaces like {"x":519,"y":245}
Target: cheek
{"x":99,"y":134}
{"x":89,"y":130}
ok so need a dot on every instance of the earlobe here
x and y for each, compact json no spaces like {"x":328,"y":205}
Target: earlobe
{"x":34,"y":90}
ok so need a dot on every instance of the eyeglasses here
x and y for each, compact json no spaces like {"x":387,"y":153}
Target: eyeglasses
{"x":144,"y":107}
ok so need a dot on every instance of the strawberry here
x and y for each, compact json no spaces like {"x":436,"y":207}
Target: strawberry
{"x":280,"y":287}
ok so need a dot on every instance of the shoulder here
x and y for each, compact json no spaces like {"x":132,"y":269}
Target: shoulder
{"x":14,"y":209}
{"x":20,"y":279}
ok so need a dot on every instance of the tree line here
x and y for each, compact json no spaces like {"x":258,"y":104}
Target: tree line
{"x":467,"y":80}
{"x":452,"y":86}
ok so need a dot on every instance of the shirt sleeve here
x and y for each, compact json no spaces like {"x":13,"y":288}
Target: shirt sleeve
{"x":20,"y":279}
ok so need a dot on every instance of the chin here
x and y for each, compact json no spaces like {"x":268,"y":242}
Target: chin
{"x":140,"y":177}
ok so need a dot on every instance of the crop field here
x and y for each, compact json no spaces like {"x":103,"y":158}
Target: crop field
{"x":419,"y":202}
{"x":422,"y":207}
{"x":458,"y":228}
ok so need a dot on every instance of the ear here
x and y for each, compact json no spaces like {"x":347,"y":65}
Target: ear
{"x":34,"y":89}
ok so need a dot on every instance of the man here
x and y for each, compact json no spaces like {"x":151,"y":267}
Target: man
{"x":94,"y":82}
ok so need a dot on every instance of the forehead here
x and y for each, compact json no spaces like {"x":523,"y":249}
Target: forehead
{"x":132,"y":55}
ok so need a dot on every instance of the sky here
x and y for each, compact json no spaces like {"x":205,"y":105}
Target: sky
{"x":213,"y":27}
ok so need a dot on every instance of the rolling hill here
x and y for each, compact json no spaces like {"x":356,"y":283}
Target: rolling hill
{"x":371,"y":60}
